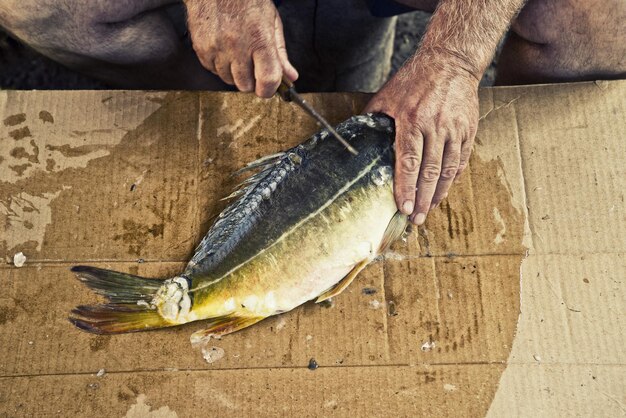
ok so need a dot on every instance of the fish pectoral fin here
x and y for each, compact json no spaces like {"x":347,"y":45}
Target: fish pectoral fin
{"x":343,"y":283}
{"x":223,"y":325}
{"x":395,"y":229}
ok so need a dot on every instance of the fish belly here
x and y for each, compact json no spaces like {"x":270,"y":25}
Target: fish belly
{"x":306,"y":260}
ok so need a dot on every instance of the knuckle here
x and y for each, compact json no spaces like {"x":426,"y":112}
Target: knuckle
{"x":267,"y":83}
{"x":431,"y":172}
{"x":412,"y":115}
{"x":271,"y":72}
{"x":410,"y":163}
{"x":448,"y":173}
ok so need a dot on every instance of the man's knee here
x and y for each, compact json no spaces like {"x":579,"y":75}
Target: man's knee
{"x":567,"y":40}
{"x":77,"y":33}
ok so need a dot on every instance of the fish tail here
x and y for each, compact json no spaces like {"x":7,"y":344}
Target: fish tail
{"x":129,"y":297}
{"x":117,"y":287}
{"x":117,"y":318}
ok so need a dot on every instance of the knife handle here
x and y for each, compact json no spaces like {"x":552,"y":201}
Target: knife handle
{"x":284,"y":89}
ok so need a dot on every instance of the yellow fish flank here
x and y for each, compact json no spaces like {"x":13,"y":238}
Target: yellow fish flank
{"x":300,"y":229}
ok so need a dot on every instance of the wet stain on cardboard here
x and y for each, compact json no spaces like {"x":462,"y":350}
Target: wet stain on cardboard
{"x":14,"y":119}
{"x":137,"y":235}
{"x":46,"y":117}
{"x":185,"y":196}
{"x":27,"y":216}
{"x":99,"y":342}
{"x":7,"y":314}
{"x":20,"y":169}
{"x":464,"y":265}
{"x":21,"y":153}
{"x":20,"y":133}
{"x":70,"y":152}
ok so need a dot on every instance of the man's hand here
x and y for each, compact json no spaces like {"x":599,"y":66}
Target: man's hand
{"x":242,"y":42}
{"x":434,"y":102}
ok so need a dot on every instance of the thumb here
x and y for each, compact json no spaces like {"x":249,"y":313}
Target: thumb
{"x":290,"y":72}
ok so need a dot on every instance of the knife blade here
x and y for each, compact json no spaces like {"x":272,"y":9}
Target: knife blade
{"x":288,"y":93}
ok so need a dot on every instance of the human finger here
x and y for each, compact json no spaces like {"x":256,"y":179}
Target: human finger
{"x":289,"y":71}
{"x":243,"y":75}
{"x":268,"y":70}
{"x":408,"y":148}
{"x":466,"y":151}
{"x":222,"y":69}
{"x":430,"y":170}
{"x":449,"y":168}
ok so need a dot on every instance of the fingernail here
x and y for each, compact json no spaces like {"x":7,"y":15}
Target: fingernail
{"x":407,"y":207}
{"x":420,"y":218}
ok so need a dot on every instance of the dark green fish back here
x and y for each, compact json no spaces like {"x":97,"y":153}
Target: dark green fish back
{"x":291,"y":187}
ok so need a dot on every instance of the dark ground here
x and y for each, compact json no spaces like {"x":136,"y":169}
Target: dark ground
{"x":22,"y":68}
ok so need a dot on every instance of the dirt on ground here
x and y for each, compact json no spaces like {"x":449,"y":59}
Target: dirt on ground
{"x":24,"y":69}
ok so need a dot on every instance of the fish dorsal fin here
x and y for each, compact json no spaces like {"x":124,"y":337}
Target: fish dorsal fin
{"x":263,"y":164}
{"x":252,"y":197}
{"x":343,"y":283}
{"x":244,"y":204}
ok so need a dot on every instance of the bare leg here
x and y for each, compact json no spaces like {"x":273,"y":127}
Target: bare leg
{"x":565,"y":40}
{"x":560,"y":40}
{"x":129,"y":44}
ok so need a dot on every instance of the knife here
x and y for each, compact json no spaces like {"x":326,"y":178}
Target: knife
{"x":288,"y":93}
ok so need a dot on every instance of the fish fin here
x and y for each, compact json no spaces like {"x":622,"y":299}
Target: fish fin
{"x":118,"y":288}
{"x":395,"y":229}
{"x":264,"y":161}
{"x":124,"y":313}
{"x":343,"y":283}
{"x":264,"y":165}
{"x":117,"y":318}
{"x":224,"y":325}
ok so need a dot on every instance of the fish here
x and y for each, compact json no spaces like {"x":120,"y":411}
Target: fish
{"x":299,"y":228}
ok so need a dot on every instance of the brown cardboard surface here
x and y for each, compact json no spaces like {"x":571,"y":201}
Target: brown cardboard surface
{"x":569,"y":347}
{"x":130,"y":181}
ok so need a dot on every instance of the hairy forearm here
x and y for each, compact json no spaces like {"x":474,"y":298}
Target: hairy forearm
{"x":469,"y":30}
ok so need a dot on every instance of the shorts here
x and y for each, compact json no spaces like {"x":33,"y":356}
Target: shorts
{"x":337,"y":45}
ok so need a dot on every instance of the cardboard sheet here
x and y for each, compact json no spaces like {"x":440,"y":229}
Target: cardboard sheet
{"x":131,"y":180}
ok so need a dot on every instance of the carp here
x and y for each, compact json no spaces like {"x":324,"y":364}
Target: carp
{"x":301,"y":228}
